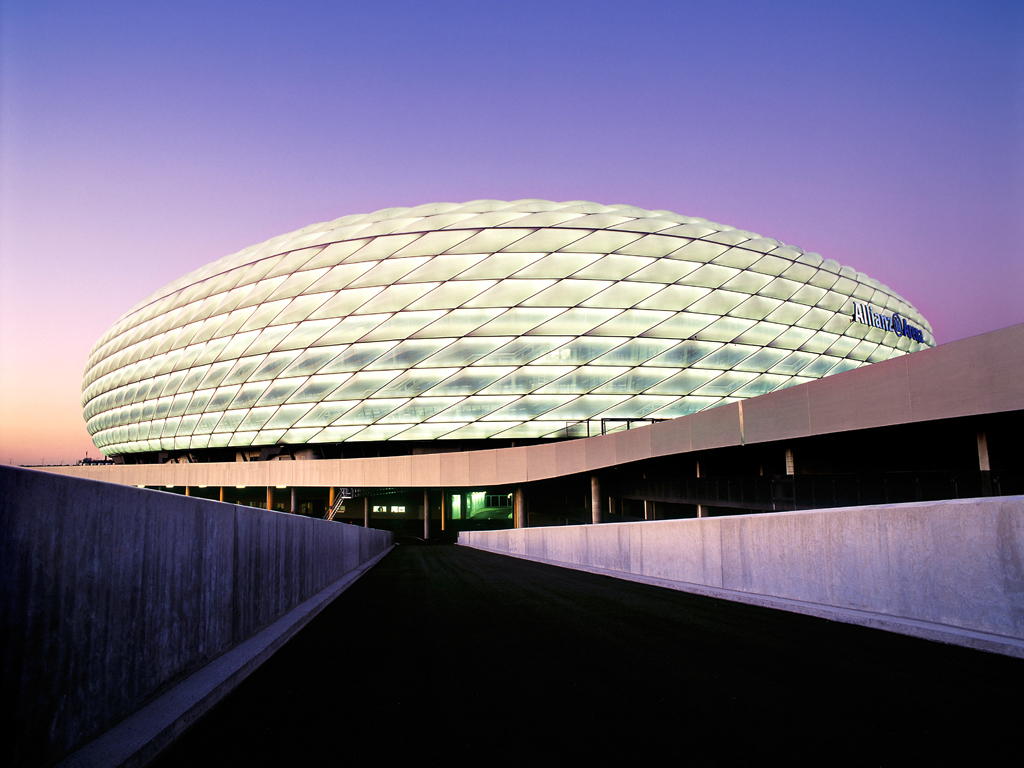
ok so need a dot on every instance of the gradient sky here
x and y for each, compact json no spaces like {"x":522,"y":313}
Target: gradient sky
{"x":139,"y":141}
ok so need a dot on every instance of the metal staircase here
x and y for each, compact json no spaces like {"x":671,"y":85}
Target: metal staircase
{"x":340,"y":498}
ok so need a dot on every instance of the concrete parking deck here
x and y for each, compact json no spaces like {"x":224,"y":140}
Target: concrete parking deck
{"x":442,"y":652}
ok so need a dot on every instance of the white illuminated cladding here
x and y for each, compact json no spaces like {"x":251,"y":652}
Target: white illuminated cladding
{"x":484,"y":320}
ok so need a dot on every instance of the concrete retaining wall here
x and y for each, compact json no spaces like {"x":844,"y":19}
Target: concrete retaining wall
{"x":112,"y":594}
{"x":950,"y":570}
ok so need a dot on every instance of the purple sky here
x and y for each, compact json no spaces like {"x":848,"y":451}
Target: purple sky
{"x":139,"y":141}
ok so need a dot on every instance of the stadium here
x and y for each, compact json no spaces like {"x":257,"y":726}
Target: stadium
{"x":486,"y":324}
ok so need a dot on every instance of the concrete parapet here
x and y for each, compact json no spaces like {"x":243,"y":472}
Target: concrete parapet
{"x":946,"y":570}
{"x":964,"y":378}
{"x":111,"y":595}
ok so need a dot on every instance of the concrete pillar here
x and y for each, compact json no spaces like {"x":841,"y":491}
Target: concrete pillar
{"x":983,"y":463}
{"x":426,"y":514}
{"x":596,"y":506}
{"x":270,"y":497}
{"x":519,"y":516}
{"x":366,"y":511}
{"x":701,"y":512}
{"x":295,"y":505}
{"x":186,"y":491}
{"x":649,"y":510}
{"x":222,"y":493}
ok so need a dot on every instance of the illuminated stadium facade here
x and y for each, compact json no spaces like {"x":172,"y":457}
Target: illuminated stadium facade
{"x":483,"y":324}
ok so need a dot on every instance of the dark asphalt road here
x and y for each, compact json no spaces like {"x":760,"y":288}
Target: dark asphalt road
{"x":442,"y":653}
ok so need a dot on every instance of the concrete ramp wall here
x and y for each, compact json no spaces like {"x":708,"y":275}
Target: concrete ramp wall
{"x":111,"y":595}
{"x":950,"y":570}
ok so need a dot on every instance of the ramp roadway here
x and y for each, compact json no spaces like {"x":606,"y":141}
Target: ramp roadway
{"x":448,"y":653}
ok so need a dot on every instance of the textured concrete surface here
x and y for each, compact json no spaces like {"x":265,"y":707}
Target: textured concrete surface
{"x":964,"y":378}
{"x":949,"y":569}
{"x":111,"y":595}
{"x":140,"y":737}
{"x":453,"y":656}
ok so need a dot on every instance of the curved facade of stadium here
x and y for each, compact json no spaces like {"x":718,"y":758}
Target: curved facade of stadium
{"x":482,"y":321}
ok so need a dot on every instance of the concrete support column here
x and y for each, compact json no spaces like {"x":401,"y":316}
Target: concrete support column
{"x":426,"y":514}
{"x":983,"y":464}
{"x":295,"y":505}
{"x":366,"y":511}
{"x":649,"y":510}
{"x":222,"y":493}
{"x":186,"y":491}
{"x":596,"y":505}
{"x":519,"y":515}
{"x":270,"y":497}
{"x":701,"y":512}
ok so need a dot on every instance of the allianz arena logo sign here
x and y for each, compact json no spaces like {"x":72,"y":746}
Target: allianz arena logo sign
{"x":863,"y":313}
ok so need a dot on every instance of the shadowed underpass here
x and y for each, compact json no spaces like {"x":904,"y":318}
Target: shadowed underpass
{"x":442,"y":652}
